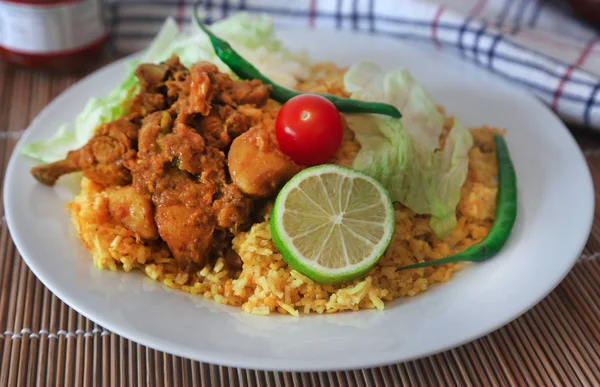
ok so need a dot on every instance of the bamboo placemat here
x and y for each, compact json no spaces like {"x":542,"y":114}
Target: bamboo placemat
{"x":46,"y":343}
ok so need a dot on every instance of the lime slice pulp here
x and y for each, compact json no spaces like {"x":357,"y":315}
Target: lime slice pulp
{"x":332,"y":223}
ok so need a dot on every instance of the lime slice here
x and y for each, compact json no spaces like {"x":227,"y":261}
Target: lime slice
{"x":332,"y":224}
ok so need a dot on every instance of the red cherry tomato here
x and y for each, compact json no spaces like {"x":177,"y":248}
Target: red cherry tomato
{"x":309,"y":129}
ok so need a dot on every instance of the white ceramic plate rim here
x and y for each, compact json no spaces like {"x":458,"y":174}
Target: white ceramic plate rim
{"x":274,"y":363}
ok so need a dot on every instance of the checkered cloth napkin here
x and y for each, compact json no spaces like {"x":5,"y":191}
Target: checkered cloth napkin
{"x":539,"y":45}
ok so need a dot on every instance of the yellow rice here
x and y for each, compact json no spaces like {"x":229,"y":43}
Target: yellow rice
{"x":266,"y":284}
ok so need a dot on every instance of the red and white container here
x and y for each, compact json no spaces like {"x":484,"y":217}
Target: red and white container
{"x":58,"y":34}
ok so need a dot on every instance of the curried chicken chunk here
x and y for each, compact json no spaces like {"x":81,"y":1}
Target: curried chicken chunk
{"x":161,"y":85}
{"x":202,"y":89}
{"x":208,"y":84}
{"x":223,"y":124}
{"x":133,"y":210}
{"x":188,"y":185}
{"x":145,"y":103}
{"x":251,"y":92}
{"x":103,"y":159}
{"x":151,"y":76}
{"x":184,"y":218}
{"x":232,"y":209}
{"x":182,"y":204}
{"x":168,"y":158}
{"x":257,"y":165}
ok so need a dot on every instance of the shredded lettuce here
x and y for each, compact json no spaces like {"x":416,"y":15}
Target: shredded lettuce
{"x":403,"y":153}
{"x":251,"y":36}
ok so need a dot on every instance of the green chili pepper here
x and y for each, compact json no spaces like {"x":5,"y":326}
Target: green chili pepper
{"x":245,"y":70}
{"x":506,"y":213}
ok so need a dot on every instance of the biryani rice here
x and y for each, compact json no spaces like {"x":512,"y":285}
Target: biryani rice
{"x":266,"y":284}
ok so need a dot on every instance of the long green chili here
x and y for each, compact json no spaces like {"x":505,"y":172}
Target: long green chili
{"x":506,"y":213}
{"x":245,"y":70}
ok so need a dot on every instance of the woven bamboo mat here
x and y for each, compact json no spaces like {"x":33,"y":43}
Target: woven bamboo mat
{"x":43,"y":342}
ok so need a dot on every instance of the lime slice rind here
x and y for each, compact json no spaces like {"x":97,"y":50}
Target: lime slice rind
{"x":350,"y":263}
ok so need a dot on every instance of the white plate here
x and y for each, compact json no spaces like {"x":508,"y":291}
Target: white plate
{"x":554,"y":220}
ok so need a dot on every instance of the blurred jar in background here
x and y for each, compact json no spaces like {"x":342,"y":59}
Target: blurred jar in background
{"x":52,"y":34}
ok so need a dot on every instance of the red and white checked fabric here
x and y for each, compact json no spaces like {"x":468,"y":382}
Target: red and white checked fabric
{"x":539,"y":45}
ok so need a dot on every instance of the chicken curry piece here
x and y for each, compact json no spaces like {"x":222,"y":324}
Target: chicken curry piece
{"x":187,"y":163}
{"x":255,"y":163}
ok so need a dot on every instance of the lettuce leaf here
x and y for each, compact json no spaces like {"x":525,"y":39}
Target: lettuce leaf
{"x":403,"y":153}
{"x":253,"y":36}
